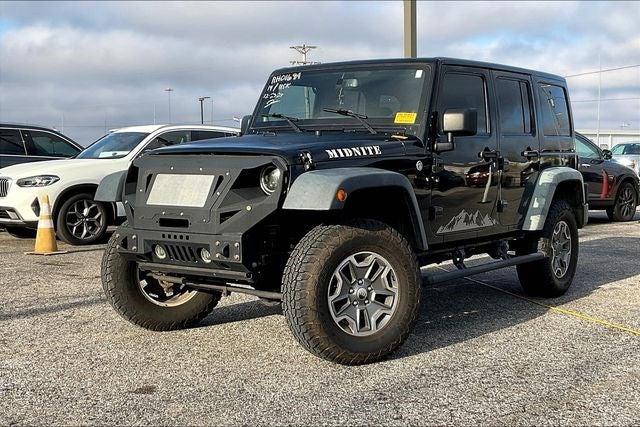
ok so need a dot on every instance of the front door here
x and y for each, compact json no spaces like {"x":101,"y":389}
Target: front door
{"x":519,"y":145}
{"x":464,"y":188}
{"x":593,"y":172}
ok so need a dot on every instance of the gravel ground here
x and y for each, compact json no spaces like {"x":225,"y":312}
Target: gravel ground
{"x":478,"y":355}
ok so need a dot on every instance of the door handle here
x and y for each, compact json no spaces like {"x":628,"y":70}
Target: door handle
{"x":530,"y":154}
{"x":585,"y":165}
{"x":488,"y":154}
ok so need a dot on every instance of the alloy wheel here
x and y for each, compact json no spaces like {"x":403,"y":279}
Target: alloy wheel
{"x":84,"y":219}
{"x":561,"y":247}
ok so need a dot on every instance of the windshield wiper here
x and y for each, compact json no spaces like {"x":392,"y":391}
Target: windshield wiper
{"x":361,"y":117}
{"x":291,"y":120}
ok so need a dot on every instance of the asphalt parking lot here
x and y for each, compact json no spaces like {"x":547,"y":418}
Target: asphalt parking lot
{"x":479,"y":354}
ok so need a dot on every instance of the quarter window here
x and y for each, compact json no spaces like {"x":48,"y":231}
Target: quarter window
{"x":514,"y":105}
{"x":465,"y":91}
{"x":11,"y":142}
{"x":47,"y":144}
{"x":555,"y":112}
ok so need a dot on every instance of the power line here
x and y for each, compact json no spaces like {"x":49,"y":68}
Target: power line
{"x":608,"y":99}
{"x":602,"y":71}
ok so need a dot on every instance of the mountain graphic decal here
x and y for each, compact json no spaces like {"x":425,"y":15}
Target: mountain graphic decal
{"x":466,"y":221}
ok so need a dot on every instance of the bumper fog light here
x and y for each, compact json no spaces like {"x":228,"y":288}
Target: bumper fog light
{"x":160,"y":252}
{"x":205,"y":255}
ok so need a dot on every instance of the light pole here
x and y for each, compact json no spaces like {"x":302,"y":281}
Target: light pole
{"x":201,"y":99}
{"x":169,"y":90}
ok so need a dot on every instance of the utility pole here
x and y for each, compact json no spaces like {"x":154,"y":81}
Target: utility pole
{"x":410,"y":33}
{"x":154,"y":113}
{"x":211,"y":110}
{"x":169,"y":90}
{"x":62,"y":127}
{"x":599,"y":91}
{"x":201,"y":99}
{"x":303,"y":49}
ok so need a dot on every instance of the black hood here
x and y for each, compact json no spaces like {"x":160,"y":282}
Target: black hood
{"x":289,"y":145}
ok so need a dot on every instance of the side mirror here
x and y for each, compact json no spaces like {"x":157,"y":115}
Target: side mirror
{"x":244,"y":124}
{"x":607,"y":154}
{"x":458,"y":122}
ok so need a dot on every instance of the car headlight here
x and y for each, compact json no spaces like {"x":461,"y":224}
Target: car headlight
{"x":37,"y":181}
{"x":270,"y":178}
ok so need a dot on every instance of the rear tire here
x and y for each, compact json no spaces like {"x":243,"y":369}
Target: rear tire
{"x":121,"y":285}
{"x":21,"y":232}
{"x":624,"y":208}
{"x":91,"y":219}
{"x":341,"y":302}
{"x":552,"y":276}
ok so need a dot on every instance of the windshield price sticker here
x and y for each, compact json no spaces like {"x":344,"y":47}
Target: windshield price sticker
{"x":277,"y":85}
{"x":405,"y":118}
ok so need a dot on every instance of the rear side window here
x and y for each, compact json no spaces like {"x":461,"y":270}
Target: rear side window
{"x":514,"y":105}
{"x":48,"y":144}
{"x":199,"y":135}
{"x":170,"y":138}
{"x":11,"y":142}
{"x":555,"y":112}
{"x":464,"y":91}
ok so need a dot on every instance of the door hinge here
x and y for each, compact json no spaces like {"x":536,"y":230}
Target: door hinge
{"x":435,"y":212}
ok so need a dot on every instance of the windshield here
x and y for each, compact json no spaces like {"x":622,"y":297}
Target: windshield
{"x":386,"y":97}
{"x":626,"y":149}
{"x":113,"y":146}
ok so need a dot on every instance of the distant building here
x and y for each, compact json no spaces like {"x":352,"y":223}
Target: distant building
{"x":609,"y":138}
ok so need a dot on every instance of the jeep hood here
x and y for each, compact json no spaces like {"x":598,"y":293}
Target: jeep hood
{"x":289,"y":145}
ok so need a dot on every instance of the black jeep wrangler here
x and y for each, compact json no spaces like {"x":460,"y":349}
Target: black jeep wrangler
{"x":348,"y":178}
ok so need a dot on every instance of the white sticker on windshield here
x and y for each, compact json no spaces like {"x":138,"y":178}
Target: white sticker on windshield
{"x":418,"y":74}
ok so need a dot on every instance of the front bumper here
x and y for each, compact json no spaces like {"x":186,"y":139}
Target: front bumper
{"x":20,"y":206}
{"x":183,"y":253}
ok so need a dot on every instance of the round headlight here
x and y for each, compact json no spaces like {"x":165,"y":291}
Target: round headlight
{"x":205,"y":255}
{"x":160,"y":252}
{"x":270,"y":178}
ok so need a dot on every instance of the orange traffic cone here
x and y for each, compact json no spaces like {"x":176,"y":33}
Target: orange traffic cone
{"x":46,"y":236}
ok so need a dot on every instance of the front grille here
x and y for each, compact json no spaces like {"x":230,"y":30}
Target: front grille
{"x":4,"y":186}
{"x":181,"y":253}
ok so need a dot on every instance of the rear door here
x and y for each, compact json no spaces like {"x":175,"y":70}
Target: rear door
{"x":518,"y":141}
{"x":12,"y":149}
{"x":47,"y":145}
{"x":592,"y":167}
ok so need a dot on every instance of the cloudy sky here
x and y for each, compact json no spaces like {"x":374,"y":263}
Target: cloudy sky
{"x":102,"y":65}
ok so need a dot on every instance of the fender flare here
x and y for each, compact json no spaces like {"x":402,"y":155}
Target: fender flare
{"x":544,"y":191}
{"x":316,"y":191}
{"x":111,"y":187}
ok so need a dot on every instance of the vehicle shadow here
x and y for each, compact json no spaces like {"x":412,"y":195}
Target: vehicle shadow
{"x":461,"y":310}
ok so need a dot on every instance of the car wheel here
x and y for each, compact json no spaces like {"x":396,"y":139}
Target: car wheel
{"x":351,"y":292}
{"x":81,"y":220}
{"x":625,"y":205}
{"x":553,"y":275}
{"x":147,"y":302}
{"x":21,"y":232}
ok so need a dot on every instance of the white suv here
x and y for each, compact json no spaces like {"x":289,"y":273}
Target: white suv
{"x":71,"y":183}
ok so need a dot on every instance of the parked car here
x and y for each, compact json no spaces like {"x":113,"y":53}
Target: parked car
{"x":71,"y":183}
{"x":610,"y":185}
{"x":628,"y":154}
{"x":28,"y":143}
{"x":347,"y":179}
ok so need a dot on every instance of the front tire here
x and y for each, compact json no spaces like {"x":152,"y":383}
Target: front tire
{"x":21,"y":232}
{"x":552,"y":276}
{"x":351,"y":293}
{"x":624,"y":208}
{"x":81,"y":220}
{"x":146,"y":303}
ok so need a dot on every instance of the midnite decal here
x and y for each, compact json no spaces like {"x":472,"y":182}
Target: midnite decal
{"x":367,"y":150}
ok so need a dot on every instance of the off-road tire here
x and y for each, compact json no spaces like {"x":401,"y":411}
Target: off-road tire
{"x":615,"y":212}
{"x":124,"y":294}
{"x":21,"y":232}
{"x":537,"y":278}
{"x":305,"y":287}
{"x":65,"y":234}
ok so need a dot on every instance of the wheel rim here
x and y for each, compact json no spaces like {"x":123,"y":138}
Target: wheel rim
{"x":164,"y":294}
{"x":84,"y":219}
{"x":561,"y":246}
{"x":626,"y":202}
{"x":363,"y":294}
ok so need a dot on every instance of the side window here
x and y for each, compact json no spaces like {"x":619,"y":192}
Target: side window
{"x":11,"y":142}
{"x":586,"y":150}
{"x":514,"y":105}
{"x":47,"y":144}
{"x":169,"y":138}
{"x":199,"y":135}
{"x":555,"y":112}
{"x":464,"y":91}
